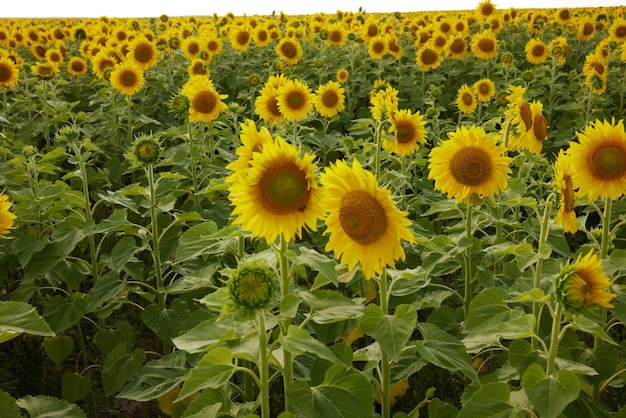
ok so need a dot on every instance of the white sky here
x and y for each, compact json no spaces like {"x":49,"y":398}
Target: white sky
{"x":155,"y":8}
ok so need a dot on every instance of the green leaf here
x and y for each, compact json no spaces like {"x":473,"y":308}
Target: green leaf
{"x":345,"y":393}
{"x":582,"y":323}
{"x":124,"y":253}
{"x":66,"y":235}
{"x":298,"y":341}
{"x":119,"y":366}
{"x":550,"y":395}
{"x":74,"y":386}
{"x":8,"y":407}
{"x":62,"y":313}
{"x":320,"y":263}
{"x":156,"y":378}
{"x":19,"y":317}
{"x":204,"y":336}
{"x":328,"y":306}
{"x":213,"y":370}
{"x":489,"y":400}
{"x":45,"y":406}
{"x":166,"y":323}
{"x":392,"y":332}
{"x":440,"y":409}
{"x":117,"y":218}
{"x":107,"y":290}
{"x":193,"y":281}
{"x":203,"y":239}
{"x":444,"y":350}
{"x":58,"y":348}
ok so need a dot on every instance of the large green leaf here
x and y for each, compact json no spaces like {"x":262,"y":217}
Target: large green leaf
{"x":120,"y":365}
{"x":74,"y":386}
{"x":298,"y":341}
{"x":166,"y":322}
{"x":58,"y":348}
{"x":204,"y":239}
{"x":8,"y":407}
{"x":550,"y":395}
{"x":444,"y":350}
{"x":440,"y":409}
{"x":490,"y":400}
{"x":47,"y":407}
{"x":124,"y":253}
{"x":328,"y":306}
{"x":318,"y":262}
{"x":204,"y":336}
{"x":212,"y":371}
{"x":392,"y":332}
{"x":19,"y":317}
{"x":156,"y":378}
{"x":344,"y":393}
{"x":61,"y":313}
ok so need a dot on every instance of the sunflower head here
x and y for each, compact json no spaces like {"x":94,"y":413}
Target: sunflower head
{"x":145,"y":151}
{"x":6,"y":217}
{"x":584,"y":284}
{"x":252,"y":285}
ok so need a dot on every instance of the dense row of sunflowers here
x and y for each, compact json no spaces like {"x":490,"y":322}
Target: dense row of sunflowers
{"x":347,"y":214}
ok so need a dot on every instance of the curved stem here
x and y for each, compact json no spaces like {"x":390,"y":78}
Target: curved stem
{"x":263,"y":367}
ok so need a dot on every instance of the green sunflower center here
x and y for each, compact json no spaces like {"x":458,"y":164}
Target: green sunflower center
{"x":204,"y":102}
{"x":405,"y":132}
{"x":285,"y":189}
{"x":362,"y":217}
{"x":252,"y":289}
{"x":295,"y":100}
{"x":471,"y":166}
{"x":608,"y":162}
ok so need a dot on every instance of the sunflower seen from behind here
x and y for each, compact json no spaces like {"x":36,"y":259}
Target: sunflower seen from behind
{"x":599,"y":160}
{"x":278,"y":195}
{"x":469,"y":162}
{"x":363,"y":223}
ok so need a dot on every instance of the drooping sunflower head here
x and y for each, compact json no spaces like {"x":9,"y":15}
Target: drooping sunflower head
{"x":127,"y":78}
{"x":599,"y":160}
{"x":466,"y":100}
{"x":205,"y":103}
{"x":252,"y":141}
{"x":6,"y":217}
{"x":9,"y":73}
{"x":145,"y":151}
{"x":364,"y":225}
{"x":295,"y":99}
{"x":252,"y":285}
{"x":584,"y":284}
{"x":329,"y":99}
{"x":563,"y":169}
{"x":468,"y":163}
{"x":278,"y":195}
{"x":408,"y":132}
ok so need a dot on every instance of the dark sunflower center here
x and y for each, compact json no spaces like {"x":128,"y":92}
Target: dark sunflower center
{"x":285,"y":189}
{"x":538,"y":51}
{"x":467,"y":99}
{"x":405,"y":132}
{"x":289,"y":50}
{"x":330,"y":98}
{"x":471,"y":166}
{"x":540,"y":127}
{"x":193,"y":48}
{"x":362,"y":217}
{"x":484,"y":89}
{"x":598,"y":67}
{"x":587,"y":29}
{"x":569,"y":198}
{"x":5,"y":73}
{"x":78,"y":66}
{"x":243,"y":38}
{"x":212,"y":46}
{"x":608,"y":162}
{"x":620,"y":32}
{"x":378,"y":47}
{"x":486,"y":45}
{"x":429,"y":56}
{"x":128,"y":78}
{"x":457,"y":46}
{"x":372,"y":30}
{"x":526,"y":114}
{"x":440,"y":41}
{"x":295,"y":100}
{"x":204,"y":102}
{"x":335,"y":36}
{"x":143,"y":53}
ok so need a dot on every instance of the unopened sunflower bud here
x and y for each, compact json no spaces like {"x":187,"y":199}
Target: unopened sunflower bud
{"x":146,"y":150}
{"x":252,"y":285}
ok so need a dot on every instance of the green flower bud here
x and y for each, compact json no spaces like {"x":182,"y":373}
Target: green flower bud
{"x":179,"y":105}
{"x":146,"y":150}
{"x":67,"y":134}
{"x":29,"y":151}
{"x":528,"y":76}
{"x":252,"y":285}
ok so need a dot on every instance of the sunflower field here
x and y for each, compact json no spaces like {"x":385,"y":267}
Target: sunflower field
{"x":331,"y":215}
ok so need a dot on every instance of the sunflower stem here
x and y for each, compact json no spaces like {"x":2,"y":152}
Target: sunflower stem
{"x":46,"y":131}
{"x":543,"y":238}
{"x":263,"y":367}
{"x":284,"y":292}
{"x":604,"y":250}
{"x":192,"y":159}
{"x":467,"y":258}
{"x":554,"y":339}
{"x":385,"y":372}
{"x":130,"y":126}
{"x":6,"y":106}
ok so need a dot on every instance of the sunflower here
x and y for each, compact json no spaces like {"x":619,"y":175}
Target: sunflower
{"x":44,"y":70}
{"x":456,"y":47}
{"x":617,"y":31}
{"x":466,"y":99}
{"x":536,"y":51}
{"x":408,"y":132}
{"x":191,"y":47}
{"x":363,"y":222}
{"x":393,"y":47}
{"x":54,"y":56}
{"x":342,"y":75}
{"x":559,"y":49}
{"x":127,"y":78}
{"x":337,"y":35}
{"x":213,"y":44}
{"x":77,"y":66}
{"x":278,"y":195}
{"x":329,"y":99}
{"x":485,"y":9}
{"x":599,"y":160}
{"x":534,"y":137}
{"x":240,"y":37}
{"x":586,"y":28}
{"x":584,"y":284}
{"x":266,"y":103}
{"x":198,"y":67}
{"x":205,"y":103}
{"x":261,"y":36}
{"x":252,"y":141}
{"x":485,"y":89}
{"x":468,"y":163}
{"x":565,"y":216}
{"x":9,"y":73}
{"x":142,"y":52}
{"x":377,"y":47}
{"x":384,"y":102}
{"x":102,"y":63}
{"x":595,"y":65}
{"x":289,"y":50}
{"x":563,"y":15}
{"x":427,"y":58}
{"x":484,"y":45}
{"x":295,"y":99}
{"x":6,"y":217}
